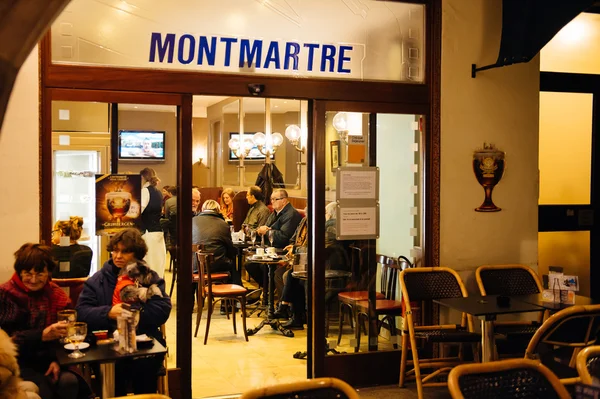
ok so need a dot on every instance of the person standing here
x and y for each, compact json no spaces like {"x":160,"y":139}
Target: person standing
{"x":151,"y":229}
{"x":258,"y":213}
{"x":78,"y":256}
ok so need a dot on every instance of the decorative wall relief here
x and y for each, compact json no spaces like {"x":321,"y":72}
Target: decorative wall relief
{"x":488,"y":166}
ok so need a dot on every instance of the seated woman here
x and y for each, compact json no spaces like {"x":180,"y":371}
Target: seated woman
{"x":29,"y":303}
{"x":227,"y":204}
{"x":79,"y":257}
{"x":95,"y":308}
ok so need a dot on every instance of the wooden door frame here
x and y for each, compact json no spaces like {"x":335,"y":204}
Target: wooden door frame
{"x":556,"y":217}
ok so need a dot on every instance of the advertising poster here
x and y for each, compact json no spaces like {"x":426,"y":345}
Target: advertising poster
{"x":118,"y":199}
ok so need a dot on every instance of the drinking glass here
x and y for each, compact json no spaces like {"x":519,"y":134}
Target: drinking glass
{"x":67,"y":316}
{"x":77,"y":333}
{"x":253,"y":237}
{"x":271,"y":235}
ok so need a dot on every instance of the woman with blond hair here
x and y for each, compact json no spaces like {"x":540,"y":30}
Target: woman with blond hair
{"x":150,"y":228}
{"x":227,"y":204}
{"x":66,"y":250}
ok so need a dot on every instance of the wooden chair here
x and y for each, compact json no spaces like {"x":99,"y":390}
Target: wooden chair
{"x":71,"y":286}
{"x":425,"y":284}
{"x":386,"y":309}
{"x":217,"y":292}
{"x":588,"y":364}
{"x":314,"y":388}
{"x":348,"y":299}
{"x":514,"y":378}
{"x":511,"y":280}
{"x":562,"y":336}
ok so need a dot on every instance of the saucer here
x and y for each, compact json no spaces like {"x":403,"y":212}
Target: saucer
{"x":71,"y":347}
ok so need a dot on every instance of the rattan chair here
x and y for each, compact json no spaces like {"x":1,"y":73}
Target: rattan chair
{"x":215,"y":293}
{"x":558,"y":341}
{"x":511,"y":280}
{"x":322,"y":388}
{"x":505,"y":379}
{"x":588,"y":364}
{"x":425,"y":284}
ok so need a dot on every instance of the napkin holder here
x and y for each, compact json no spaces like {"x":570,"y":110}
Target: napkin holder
{"x":126,"y":326}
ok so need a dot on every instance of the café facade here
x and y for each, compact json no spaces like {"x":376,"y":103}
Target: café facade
{"x":403,"y":67}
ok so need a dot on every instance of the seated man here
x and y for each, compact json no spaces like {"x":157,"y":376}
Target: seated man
{"x":258,"y":213}
{"x":282,"y":222}
{"x":212,"y":231}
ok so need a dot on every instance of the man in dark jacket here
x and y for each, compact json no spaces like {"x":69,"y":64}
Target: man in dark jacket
{"x":282,"y":223}
{"x":258,"y":214}
{"x":212,"y":231}
{"x":95,"y":307}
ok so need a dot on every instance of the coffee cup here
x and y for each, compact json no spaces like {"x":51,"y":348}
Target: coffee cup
{"x":271,"y":250}
{"x":260,"y":251}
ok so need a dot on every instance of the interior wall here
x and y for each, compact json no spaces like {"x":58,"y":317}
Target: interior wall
{"x":201,"y":171}
{"x":150,"y":120}
{"x":19,"y":158}
{"x":499,"y":106}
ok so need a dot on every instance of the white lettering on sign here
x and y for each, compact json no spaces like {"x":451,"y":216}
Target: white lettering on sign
{"x":185,"y":49}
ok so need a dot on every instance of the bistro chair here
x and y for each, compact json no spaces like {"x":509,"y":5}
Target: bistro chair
{"x":71,"y":286}
{"x":426,"y":284}
{"x":562,"y":336}
{"x":217,"y":277}
{"x":588,"y":364}
{"x":322,"y":388}
{"x":348,"y":299}
{"x":215,"y":293}
{"x":511,"y":280}
{"x":513,"y":378}
{"x":386,"y":309}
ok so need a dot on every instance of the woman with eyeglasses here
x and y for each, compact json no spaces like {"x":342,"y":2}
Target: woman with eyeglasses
{"x":95,"y":307}
{"x":79,"y":256}
{"x":29,"y":303}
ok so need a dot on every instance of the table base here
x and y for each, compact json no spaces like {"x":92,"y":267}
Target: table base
{"x":275,"y":325}
{"x":488,"y":341}
{"x":107,"y":371}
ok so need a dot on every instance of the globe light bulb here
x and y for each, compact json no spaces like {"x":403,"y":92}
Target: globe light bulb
{"x":340,"y":121}
{"x":234,"y":143}
{"x":260,"y":139}
{"x":293,"y":132}
{"x":248,"y":144}
{"x":277,"y":139}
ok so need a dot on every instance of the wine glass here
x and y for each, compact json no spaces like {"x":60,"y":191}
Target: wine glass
{"x":253,"y":237}
{"x":271,"y":235}
{"x":77,"y":333}
{"x":68,"y":316}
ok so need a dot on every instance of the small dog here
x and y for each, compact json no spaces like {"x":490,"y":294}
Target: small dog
{"x":11,"y":386}
{"x":144,"y":286}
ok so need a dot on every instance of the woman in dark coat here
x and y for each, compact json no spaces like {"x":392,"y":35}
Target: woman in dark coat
{"x":95,"y":308}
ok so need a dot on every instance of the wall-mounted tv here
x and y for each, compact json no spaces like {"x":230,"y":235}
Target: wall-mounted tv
{"x":253,"y":155}
{"x":141,"y":144}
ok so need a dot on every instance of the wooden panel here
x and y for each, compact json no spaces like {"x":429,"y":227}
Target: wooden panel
{"x":298,"y":202}
{"x":111,"y":96}
{"x":365,"y":369}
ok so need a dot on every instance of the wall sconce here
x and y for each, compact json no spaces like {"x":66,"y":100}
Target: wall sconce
{"x":294,"y":135}
{"x":200,"y":161}
{"x":347,"y":124}
{"x":268,"y":143}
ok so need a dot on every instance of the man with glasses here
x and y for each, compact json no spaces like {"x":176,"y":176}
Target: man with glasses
{"x":282,"y":222}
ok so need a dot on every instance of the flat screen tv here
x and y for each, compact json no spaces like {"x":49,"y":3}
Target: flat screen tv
{"x":141,"y":144}
{"x":253,"y":155}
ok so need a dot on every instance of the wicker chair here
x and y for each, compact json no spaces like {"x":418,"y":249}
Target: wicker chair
{"x":511,"y":280}
{"x":424,"y":284}
{"x":588,"y":364}
{"x":505,"y":379}
{"x":316,"y":388}
{"x":562,"y":336}
{"x":215,"y":293}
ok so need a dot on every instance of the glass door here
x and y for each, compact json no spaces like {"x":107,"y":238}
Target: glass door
{"x":367,"y":210}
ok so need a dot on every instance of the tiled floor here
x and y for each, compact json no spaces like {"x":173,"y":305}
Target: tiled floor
{"x":228,"y":365}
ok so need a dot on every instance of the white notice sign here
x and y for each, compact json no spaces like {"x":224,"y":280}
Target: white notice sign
{"x":358,"y":222}
{"x":360,"y":183}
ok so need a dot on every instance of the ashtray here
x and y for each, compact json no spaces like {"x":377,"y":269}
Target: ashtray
{"x":100,"y":334}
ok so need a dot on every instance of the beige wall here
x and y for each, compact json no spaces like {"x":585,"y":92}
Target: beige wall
{"x":499,"y":106}
{"x":19,"y":157}
{"x":148,"y":120}
{"x":200,"y":172}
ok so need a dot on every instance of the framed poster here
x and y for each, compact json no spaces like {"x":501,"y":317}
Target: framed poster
{"x":335,"y":155}
{"x":118,"y":199}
